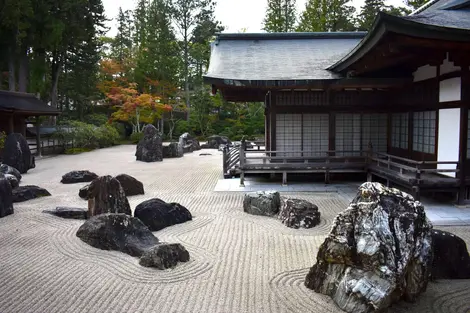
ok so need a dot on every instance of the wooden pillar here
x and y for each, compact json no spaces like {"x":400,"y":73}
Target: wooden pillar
{"x":38,"y":137}
{"x":465,"y":96}
{"x":267,"y":122}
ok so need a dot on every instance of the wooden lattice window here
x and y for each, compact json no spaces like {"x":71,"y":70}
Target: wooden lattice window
{"x":315,"y":134}
{"x":348,"y":133}
{"x":374,"y":131}
{"x":424,"y":132}
{"x":400,"y":130}
{"x":289,"y":134}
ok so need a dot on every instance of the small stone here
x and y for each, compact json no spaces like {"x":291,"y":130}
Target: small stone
{"x":25,"y":193}
{"x":262,"y":203}
{"x":157,"y":214}
{"x":83,"y":192}
{"x":6,"y":202}
{"x":106,"y":195}
{"x":74,"y":177}
{"x":13,"y":180}
{"x":131,"y":186}
{"x":164,"y":255}
{"x":204,"y":154}
{"x":71,"y":213}
{"x":6,"y":169}
{"x":298,"y":213}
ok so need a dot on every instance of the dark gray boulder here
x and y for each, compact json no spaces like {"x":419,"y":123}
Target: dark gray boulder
{"x":6,"y":197}
{"x":106,"y":195}
{"x":164,"y":255}
{"x":71,"y":213}
{"x":189,"y":143}
{"x":6,"y":169}
{"x":150,"y":148}
{"x":451,"y":259}
{"x":13,"y":180}
{"x":215,"y":141}
{"x":16,"y":153}
{"x":25,"y":193}
{"x":74,"y":177}
{"x":119,"y":232}
{"x":262,"y":203}
{"x":378,"y":252}
{"x":83,"y":192}
{"x":173,"y":150}
{"x":131,"y":186}
{"x":298,"y":213}
{"x":157,"y":214}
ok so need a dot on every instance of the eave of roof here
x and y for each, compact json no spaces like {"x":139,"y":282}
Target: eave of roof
{"x":293,"y":35}
{"x":24,"y":104}
{"x":385,"y":23}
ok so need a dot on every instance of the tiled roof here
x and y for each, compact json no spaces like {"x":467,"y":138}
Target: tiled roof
{"x":24,"y":102}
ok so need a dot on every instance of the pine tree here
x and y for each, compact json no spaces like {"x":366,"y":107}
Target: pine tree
{"x":415,"y":4}
{"x":280,"y":16}
{"x":369,"y":11}
{"x":327,"y":15}
{"x":122,"y":45}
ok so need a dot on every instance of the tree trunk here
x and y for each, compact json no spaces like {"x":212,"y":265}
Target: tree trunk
{"x":55,"y":84}
{"x":186,"y":73}
{"x":11,"y":69}
{"x":23,"y":71}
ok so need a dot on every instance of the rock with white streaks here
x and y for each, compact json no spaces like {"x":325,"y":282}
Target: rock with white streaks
{"x":379,"y":251}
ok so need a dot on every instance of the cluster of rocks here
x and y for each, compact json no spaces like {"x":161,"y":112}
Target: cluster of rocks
{"x":110,"y":225}
{"x":189,"y":143}
{"x":294,"y":213}
{"x":216,"y":141}
{"x":17,"y":160}
{"x":382,"y":250}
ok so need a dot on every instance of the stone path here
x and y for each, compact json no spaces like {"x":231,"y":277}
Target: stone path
{"x":239,"y":262}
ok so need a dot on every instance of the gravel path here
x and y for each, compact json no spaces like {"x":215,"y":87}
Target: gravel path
{"x":239,"y":263}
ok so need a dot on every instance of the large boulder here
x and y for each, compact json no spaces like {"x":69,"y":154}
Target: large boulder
{"x":163,"y":256}
{"x":74,"y":177}
{"x":119,"y":232}
{"x":106,"y":195}
{"x":16,"y":153}
{"x":173,"y":150}
{"x":6,"y":197}
{"x":25,"y":193}
{"x":215,"y":141}
{"x":66,"y":212}
{"x":150,"y":148}
{"x":131,"y":186}
{"x":189,"y":143}
{"x":157,"y":214}
{"x":379,"y":251}
{"x":6,"y":169}
{"x":262,"y":203}
{"x":296,"y":213}
{"x":13,"y":180}
{"x":451,"y":259}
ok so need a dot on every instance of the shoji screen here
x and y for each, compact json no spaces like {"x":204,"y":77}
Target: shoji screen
{"x":400,"y":130}
{"x":315,"y":134}
{"x":424,"y":132}
{"x":374,"y":131}
{"x":289,"y":134}
{"x":348,"y":133}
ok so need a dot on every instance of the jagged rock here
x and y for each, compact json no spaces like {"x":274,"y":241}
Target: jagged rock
{"x":378,"y":252}
{"x":297,"y":213}
{"x":25,"y":193}
{"x":66,"y":212}
{"x":74,"y":177}
{"x":157,"y":214}
{"x":83,"y":192}
{"x":119,"y":232}
{"x":150,"y":148}
{"x":163,"y":256}
{"x":262,"y":203}
{"x":6,"y":169}
{"x":12,"y":180}
{"x":451,"y":259}
{"x":173,"y":150}
{"x":6,"y":197}
{"x":16,"y":153}
{"x":106,"y":195}
{"x":189,"y":143}
{"x":215,"y":141}
{"x":131,"y":186}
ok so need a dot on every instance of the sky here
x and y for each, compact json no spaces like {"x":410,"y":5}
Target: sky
{"x":234,"y":14}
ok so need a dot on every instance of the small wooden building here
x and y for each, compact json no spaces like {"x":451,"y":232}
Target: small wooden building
{"x":16,"y":108}
{"x":392,"y":102}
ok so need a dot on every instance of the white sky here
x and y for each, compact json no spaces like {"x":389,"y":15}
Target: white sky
{"x":234,"y":14}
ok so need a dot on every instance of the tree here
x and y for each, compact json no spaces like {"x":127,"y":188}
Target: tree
{"x":415,"y":4}
{"x":327,"y":15}
{"x":280,"y":16}
{"x":368,"y":13}
{"x":122,"y":43}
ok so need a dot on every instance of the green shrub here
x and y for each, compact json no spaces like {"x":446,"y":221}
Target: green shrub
{"x":76,"y":150}
{"x":135,"y":137}
{"x":107,"y":136}
{"x":121,"y":129}
{"x":96,"y":119}
{"x":181,"y":127}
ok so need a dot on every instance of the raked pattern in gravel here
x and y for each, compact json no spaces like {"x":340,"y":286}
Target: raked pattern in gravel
{"x":239,"y":263}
